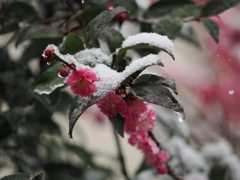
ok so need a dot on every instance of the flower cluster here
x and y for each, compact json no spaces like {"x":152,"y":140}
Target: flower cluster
{"x":140,"y":118}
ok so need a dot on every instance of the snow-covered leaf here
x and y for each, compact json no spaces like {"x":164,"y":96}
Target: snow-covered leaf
{"x":151,"y":89}
{"x":99,"y":22}
{"x":92,"y":57}
{"x":40,"y":176}
{"x":118,"y":123}
{"x":146,"y":40}
{"x":215,"y":7}
{"x":211,"y":27}
{"x":109,"y":80}
{"x":49,"y":80}
{"x":71,"y":44}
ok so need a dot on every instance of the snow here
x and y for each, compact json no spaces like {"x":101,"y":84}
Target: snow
{"x":109,"y":79}
{"x":217,"y":150}
{"x":141,"y":63}
{"x":231,"y":92}
{"x":47,"y":89}
{"x":153,"y":39}
{"x":233,"y":163}
{"x":191,"y":159}
{"x":92,"y":57}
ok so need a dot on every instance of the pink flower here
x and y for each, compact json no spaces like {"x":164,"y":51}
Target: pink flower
{"x":82,"y":82}
{"x":113,"y":104}
{"x":143,"y":123}
{"x":135,"y":108}
{"x":153,"y":154}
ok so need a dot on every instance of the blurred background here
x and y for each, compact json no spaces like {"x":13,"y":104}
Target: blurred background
{"x":33,"y":128}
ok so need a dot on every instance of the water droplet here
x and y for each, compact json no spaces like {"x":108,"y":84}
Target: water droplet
{"x":231,"y":92}
{"x":83,"y":1}
{"x":48,"y":63}
{"x":181,"y":117}
{"x":218,"y":55}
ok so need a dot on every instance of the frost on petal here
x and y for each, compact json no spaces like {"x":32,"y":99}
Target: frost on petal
{"x":153,"y":39}
{"x":153,"y":154}
{"x":140,"y":64}
{"x":82,"y":82}
{"x":92,"y":57}
{"x":113,"y":104}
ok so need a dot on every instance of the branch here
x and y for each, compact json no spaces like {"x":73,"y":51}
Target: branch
{"x":64,"y":62}
{"x":120,"y":156}
{"x":170,"y":171}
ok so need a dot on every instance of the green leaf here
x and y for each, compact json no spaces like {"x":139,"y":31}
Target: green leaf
{"x":72,"y":44}
{"x":34,"y":31}
{"x":14,"y":117}
{"x":9,"y":28}
{"x":99,"y":22}
{"x":20,"y":11}
{"x":211,"y":27}
{"x":36,"y":48}
{"x":19,"y":176}
{"x":186,"y":11}
{"x":49,"y":80}
{"x":113,"y":38}
{"x":5,"y":128}
{"x":118,"y":123}
{"x":40,"y":176}
{"x":50,"y":101}
{"x":152,"y":89}
{"x":129,"y":5}
{"x":165,"y":7}
{"x":218,"y":172}
{"x":169,"y":27}
{"x":215,"y":7}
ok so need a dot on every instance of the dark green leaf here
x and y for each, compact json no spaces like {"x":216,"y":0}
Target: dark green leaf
{"x":151,"y":88}
{"x":50,"y":101}
{"x":72,"y":44}
{"x":20,"y":11}
{"x":9,"y":28}
{"x":49,"y":80}
{"x":113,"y":38}
{"x":19,"y":176}
{"x":98,"y":23}
{"x":158,"y":80}
{"x":218,"y":172}
{"x":215,"y":7}
{"x":165,"y":6}
{"x":118,"y":123}
{"x":36,"y":48}
{"x":5,"y":61}
{"x":169,"y":27}
{"x":5,"y":128}
{"x":65,"y":102}
{"x":40,"y":176}
{"x":211,"y":27}
{"x":186,"y":11}
{"x":34,"y":31}
{"x":129,"y":5}
{"x":14,"y":117}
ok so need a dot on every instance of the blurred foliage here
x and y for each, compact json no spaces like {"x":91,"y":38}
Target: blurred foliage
{"x":27,"y":130}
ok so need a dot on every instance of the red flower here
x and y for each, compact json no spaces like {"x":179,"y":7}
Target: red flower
{"x":82,"y":82}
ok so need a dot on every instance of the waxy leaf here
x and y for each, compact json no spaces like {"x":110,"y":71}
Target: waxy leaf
{"x":118,"y":124}
{"x":152,"y":89}
{"x":34,"y":31}
{"x":211,"y":27}
{"x":169,"y":27}
{"x":215,"y":7}
{"x":9,"y":28}
{"x":113,"y":38}
{"x":186,"y":11}
{"x":165,"y":6}
{"x":19,"y":176}
{"x":98,"y":23}
{"x":40,"y":176}
{"x":49,"y":80}
{"x":72,"y":44}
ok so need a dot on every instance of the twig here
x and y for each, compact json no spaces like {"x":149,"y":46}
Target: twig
{"x":64,"y":62}
{"x":120,"y":156}
{"x":170,"y":171}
